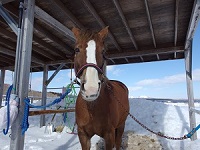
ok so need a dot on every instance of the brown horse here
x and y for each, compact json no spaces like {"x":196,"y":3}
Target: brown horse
{"x":99,"y":107}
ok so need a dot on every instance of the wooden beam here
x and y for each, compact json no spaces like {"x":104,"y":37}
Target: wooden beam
{"x":175,"y":55}
{"x":132,"y":53}
{"x":5,"y":1}
{"x":64,"y":47}
{"x":42,"y":112}
{"x":158,"y":58}
{"x":7,"y":43}
{"x":119,"y":9}
{"x":2,"y":78}
{"x":68,"y":13}
{"x":126,"y":60}
{"x":176,"y":22}
{"x":66,"y":61}
{"x":112,"y":61}
{"x":9,"y":20}
{"x":49,"y":20}
{"x":194,"y":19}
{"x":42,"y":52}
{"x":142,"y":59}
{"x":38,"y":29}
{"x":13,"y":37}
{"x":9,"y":52}
{"x":100,"y":21}
{"x":150,"y":22}
{"x":7,"y":60}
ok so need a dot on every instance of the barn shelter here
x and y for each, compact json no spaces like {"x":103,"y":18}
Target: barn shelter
{"x":36,"y":36}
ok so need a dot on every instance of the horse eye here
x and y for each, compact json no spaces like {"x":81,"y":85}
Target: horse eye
{"x":77,"y":50}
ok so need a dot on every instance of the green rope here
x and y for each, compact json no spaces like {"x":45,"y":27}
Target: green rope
{"x":70,"y":101}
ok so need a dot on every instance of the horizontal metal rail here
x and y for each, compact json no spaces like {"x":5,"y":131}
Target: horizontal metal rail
{"x":195,"y":110}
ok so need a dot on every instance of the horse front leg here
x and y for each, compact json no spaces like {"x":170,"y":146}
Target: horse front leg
{"x":84,"y":139}
{"x":109,"y":138}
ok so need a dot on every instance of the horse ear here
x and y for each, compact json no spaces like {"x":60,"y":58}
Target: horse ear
{"x":76,"y":31}
{"x":103,"y":33}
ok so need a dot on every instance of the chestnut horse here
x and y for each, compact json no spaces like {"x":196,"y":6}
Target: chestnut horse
{"x":99,"y":107}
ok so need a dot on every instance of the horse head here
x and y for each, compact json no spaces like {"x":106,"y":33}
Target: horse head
{"x":89,"y":61}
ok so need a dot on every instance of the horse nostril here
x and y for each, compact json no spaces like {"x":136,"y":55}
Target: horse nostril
{"x":99,"y":83}
{"x":82,"y":86}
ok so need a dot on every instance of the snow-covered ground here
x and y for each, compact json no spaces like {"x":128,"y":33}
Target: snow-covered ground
{"x":168,"y":118}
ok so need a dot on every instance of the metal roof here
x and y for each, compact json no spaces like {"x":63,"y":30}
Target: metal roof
{"x":139,"y":30}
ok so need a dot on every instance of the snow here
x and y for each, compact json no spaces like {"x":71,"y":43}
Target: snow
{"x":171,"y":119}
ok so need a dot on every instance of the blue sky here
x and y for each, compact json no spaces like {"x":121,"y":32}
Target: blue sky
{"x":162,"y":79}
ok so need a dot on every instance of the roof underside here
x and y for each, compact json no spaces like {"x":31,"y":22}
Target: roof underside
{"x":139,"y":30}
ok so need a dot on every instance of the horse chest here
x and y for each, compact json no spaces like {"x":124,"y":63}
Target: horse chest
{"x":92,"y":114}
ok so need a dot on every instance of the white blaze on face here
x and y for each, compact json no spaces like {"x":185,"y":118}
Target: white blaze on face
{"x":92,"y":79}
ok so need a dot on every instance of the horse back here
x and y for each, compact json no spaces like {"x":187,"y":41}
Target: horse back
{"x":119,"y":94}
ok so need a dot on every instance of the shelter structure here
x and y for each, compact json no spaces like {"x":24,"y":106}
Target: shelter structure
{"x":36,"y":35}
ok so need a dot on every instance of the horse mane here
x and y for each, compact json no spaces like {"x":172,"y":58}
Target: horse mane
{"x":87,"y":35}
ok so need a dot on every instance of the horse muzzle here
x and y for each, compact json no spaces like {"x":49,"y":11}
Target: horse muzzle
{"x":90,"y":93}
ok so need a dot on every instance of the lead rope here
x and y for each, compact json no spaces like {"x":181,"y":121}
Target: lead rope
{"x":157,"y":133}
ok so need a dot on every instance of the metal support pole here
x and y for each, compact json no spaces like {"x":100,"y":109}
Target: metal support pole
{"x":17,"y":139}
{"x":188,"y":67}
{"x":55,"y":73}
{"x":18,"y":50}
{"x":2,"y":77}
{"x":44,"y":94}
{"x":10,"y":21}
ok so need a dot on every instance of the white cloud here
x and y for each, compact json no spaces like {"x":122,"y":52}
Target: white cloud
{"x":114,"y":70}
{"x":110,"y":68}
{"x":178,"y":78}
{"x":36,"y":83}
{"x":196,"y":75}
{"x":160,"y":83}
{"x":134,"y":88}
{"x":173,"y":79}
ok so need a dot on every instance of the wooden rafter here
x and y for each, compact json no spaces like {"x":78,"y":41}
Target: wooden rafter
{"x":51,"y":37}
{"x":5,"y":1}
{"x":6,"y":60}
{"x":126,"y":59}
{"x":100,"y":21}
{"x":13,"y":37}
{"x":175,"y":55}
{"x":38,"y":29}
{"x":176,"y":22}
{"x":158,"y":58}
{"x":142,"y":59}
{"x":146,"y":52}
{"x":12,"y":53}
{"x":150,"y":22}
{"x":68,"y":13}
{"x":119,"y":9}
{"x":49,"y":20}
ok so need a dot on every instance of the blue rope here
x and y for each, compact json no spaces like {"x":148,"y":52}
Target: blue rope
{"x":189,"y":135}
{"x":8,"y":109}
{"x":56,"y":101}
{"x":25,"y":123}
